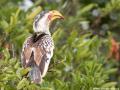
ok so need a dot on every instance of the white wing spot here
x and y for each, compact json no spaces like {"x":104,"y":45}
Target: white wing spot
{"x":33,"y":49}
{"x":27,"y":61}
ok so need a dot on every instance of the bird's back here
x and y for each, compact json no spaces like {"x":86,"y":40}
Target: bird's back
{"x":37,"y":52}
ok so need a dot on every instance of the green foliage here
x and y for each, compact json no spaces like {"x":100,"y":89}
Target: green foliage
{"x":80,"y":58}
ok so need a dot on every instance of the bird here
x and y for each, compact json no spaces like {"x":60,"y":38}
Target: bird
{"x":38,"y":48}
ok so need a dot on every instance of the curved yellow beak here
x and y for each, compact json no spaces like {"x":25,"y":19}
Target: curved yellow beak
{"x":56,"y":15}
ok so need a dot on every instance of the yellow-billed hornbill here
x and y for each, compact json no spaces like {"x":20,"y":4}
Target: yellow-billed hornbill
{"x":38,"y":48}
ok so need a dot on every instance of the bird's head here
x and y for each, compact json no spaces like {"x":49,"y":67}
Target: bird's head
{"x":43,"y":20}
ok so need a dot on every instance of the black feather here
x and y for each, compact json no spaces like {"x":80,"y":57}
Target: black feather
{"x":37,"y":36}
{"x":34,"y":74}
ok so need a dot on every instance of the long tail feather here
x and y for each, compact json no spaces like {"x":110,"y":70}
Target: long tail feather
{"x":35,"y":75}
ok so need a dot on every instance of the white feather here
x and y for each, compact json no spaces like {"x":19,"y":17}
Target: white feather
{"x":49,"y":56}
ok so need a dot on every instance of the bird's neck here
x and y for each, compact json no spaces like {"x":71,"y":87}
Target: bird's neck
{"x":38,"y":35}
{"x":42,"y":30}
{"x":47,"y":31}
{"x":42,"y":27}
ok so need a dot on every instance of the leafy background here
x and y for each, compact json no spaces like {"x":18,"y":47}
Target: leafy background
{"x":86,"y":52}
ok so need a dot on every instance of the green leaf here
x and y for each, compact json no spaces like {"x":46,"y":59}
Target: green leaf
{"x":46,"y":88}
{"x":6,"y":53}
{"x":22,"y":84}
{"x":113,"y":70}
{"x":109,"y":84}
{"x":25,"y":71}
{"x":86,"y":8}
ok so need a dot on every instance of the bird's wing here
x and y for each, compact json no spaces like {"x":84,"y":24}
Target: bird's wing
{"x":47,"y":46}
{"x":26,"y":52}
{"x":41,"y":51}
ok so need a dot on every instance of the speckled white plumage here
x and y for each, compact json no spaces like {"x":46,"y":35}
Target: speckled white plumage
{"x":42,"y":51}
{"x":38,"y":49}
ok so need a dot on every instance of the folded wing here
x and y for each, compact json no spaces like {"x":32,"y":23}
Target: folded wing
{"x":37,"y":55}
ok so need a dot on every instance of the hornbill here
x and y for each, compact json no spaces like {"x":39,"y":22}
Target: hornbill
{"x":38,"y":48}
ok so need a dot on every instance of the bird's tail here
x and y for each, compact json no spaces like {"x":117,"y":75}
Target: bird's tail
{"x":35,"y":75}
